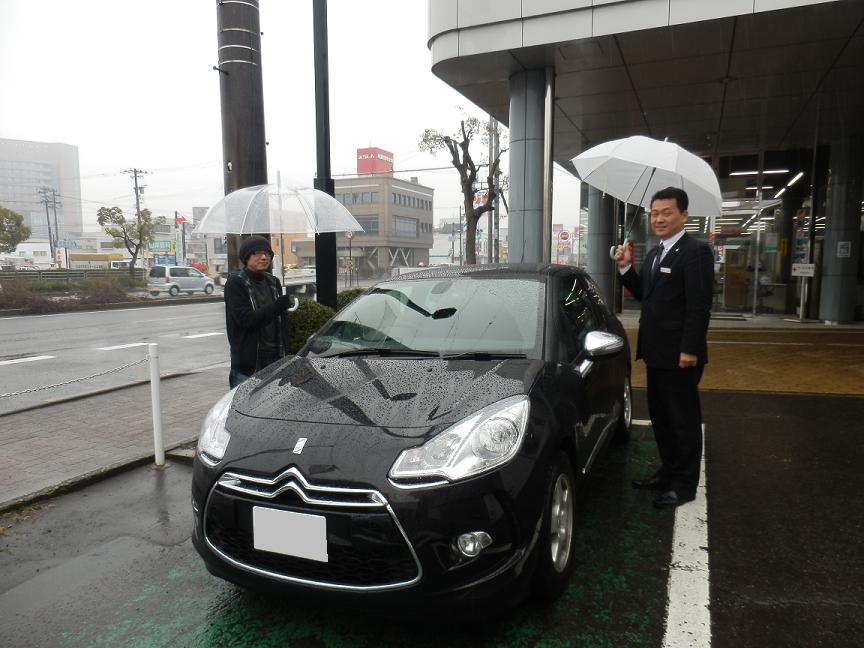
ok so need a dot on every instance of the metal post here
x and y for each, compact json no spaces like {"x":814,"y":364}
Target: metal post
{"x":546,"y":245}
{"x":325,"y":243}
{"x":496,"y":153}
{"x":158,"y":447}
{"x":460,"y":235}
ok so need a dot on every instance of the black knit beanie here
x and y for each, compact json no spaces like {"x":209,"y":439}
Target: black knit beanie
{"x":254,"y":244}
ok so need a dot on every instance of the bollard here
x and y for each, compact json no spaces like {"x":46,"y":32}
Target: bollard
{"x":158,"y":447}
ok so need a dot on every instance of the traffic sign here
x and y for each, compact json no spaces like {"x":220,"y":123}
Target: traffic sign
{"x":349,"y":235}
{"x":803,"y":269}
{"x":564,"y":235}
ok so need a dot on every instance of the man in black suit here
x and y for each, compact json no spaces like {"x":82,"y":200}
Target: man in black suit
{"x":675,"y":287}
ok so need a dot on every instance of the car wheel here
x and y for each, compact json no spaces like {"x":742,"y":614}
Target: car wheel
{"x":208,"y":289}
{"x":622,"y":430}
{"x":174,"y":291}
{"x":555,"y":546}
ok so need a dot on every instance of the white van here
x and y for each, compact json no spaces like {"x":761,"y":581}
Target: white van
{"x":176,"y":279}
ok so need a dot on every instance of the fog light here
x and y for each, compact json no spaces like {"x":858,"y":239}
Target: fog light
{"x":471,"y":544}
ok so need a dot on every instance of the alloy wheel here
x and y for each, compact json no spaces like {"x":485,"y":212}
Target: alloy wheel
{"x":561,"y":523}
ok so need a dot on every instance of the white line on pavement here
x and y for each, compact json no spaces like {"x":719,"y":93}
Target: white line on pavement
{"x":122,"y":346}
{"x":688,"y":617}
{"x":200,"y":335}
{"x":30,"y":359}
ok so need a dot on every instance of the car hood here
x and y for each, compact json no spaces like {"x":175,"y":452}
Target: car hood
{"x":393,"y":393}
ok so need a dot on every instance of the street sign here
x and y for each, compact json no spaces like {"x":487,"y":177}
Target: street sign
{"x":564,"y":235}
{"x":803,"y":269}
{"x":349,"y":235}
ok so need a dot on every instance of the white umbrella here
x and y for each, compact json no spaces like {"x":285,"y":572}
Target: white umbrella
{"x":634,"y":168}
{"x":272,"y":209}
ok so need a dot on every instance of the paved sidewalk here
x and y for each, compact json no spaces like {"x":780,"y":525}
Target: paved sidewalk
{"x":46,"y":449}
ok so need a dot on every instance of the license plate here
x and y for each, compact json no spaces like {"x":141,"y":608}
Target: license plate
{"x":289,"y":533}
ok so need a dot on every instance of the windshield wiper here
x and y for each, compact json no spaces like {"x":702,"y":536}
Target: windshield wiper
{"x":381,"y":351}
{"x":483,"y":355}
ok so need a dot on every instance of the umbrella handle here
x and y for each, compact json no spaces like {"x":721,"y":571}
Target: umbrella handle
{"x":295,"y":306}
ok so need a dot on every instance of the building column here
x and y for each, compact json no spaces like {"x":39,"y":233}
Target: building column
{"x":786,"y":246}
{"x":525,"y":230}
{"x":601,"y":236}
{"x":842,"y":225}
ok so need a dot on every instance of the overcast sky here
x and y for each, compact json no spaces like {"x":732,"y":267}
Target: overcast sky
{"x":131,"y":84}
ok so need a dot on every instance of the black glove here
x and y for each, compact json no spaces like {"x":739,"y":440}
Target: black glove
{"x":284,"y":303}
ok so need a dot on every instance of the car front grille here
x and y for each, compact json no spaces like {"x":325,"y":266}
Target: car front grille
{"x":366,"y":546}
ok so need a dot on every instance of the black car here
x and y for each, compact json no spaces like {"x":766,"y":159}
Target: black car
{"x":424,"y":446}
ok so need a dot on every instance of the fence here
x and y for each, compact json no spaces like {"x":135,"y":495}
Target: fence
{"x":152,"y":358}
{"x":66,"y":275}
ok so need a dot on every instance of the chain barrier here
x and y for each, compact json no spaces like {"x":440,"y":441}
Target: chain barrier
{"x":77,"y":380}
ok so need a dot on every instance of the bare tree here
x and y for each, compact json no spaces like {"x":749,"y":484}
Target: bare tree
{"x":459,"y":145}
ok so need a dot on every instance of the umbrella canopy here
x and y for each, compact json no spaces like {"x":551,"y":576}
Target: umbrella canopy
{"x":272,"y":209}
{"x":634,"y":168}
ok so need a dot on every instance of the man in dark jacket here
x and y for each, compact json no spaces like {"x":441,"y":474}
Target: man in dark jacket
{"x":675,"y":287}
{"x":255,"y":312}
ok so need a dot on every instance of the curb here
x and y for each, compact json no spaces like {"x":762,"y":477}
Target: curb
{"x":93,"y":476}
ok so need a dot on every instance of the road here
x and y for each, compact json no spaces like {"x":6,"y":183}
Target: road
{"x":43,"y":350}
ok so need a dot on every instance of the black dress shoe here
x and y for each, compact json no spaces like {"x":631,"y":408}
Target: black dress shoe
{"x":671,"y":499}
{"x":654,"y":482}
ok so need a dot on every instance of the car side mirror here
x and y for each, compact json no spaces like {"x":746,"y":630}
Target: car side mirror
{"x":597,"y":345}
{"x":600,"y":343}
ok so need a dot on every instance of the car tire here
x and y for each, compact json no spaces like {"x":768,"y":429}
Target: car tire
{"x":208,"y":289}
{"x":622,"y":429}
{"x":555,"y":545}
{"x":174,"y":291}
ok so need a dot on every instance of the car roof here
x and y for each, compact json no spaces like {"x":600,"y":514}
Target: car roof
{"x":538,"y":270}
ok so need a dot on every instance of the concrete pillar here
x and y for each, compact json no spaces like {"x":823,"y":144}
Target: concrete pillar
{"x":601,"y":236}
{"x":525,"y":235}
{"x":842,"y":225}
{"x":786,"y":233}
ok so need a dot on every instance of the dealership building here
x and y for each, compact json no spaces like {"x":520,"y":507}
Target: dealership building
{"x":769,"y":92}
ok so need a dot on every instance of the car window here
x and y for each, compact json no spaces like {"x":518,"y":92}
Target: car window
{"x":157,"y":271}
{"x":443,"y":315}
{"x":179,"y":272}
{"x":578,"y":315}
{"x":194,"y":273}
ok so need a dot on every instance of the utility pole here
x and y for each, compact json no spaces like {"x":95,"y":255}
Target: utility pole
{"x":496,"y":152}
{"x":45,"y":200}
{"x":138,"y":191}
{"x":490,"y":252}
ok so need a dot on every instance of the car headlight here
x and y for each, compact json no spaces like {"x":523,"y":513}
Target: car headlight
{"x":481,"y":442}
{"x":214,"y":438}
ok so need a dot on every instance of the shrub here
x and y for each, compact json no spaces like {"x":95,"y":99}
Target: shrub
{"x":39,"y":304}
{"x":305,"y":321}
{"x":347,"y":296}
{"x":15,"y":293}
{"x":104,"y":290}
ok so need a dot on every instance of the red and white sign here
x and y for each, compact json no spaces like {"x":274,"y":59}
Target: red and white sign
{"x":564,"y":236}
{"x":349,"y":235}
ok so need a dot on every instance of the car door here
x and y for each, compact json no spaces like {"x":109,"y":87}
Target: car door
{"x":196,"y":279}
{"x":181,"y":277}
{"x":577,"y":317}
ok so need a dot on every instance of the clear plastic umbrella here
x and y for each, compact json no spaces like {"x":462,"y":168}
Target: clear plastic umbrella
{"x":634,"y":168}
{"x":272,"y":209}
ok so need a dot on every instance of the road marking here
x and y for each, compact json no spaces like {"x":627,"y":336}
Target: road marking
{"x":200,"y":335}
{"x":122,"y":346}
{"x":688,"y":617}
{"x":30,"y":359}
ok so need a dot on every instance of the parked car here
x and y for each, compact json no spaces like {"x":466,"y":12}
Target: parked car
{"x":176,"y":279}
{"x":220,"y":278}
{"x":425,"y":445}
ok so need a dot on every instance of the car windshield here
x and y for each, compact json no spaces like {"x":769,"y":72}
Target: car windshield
{"x":464,"y":316}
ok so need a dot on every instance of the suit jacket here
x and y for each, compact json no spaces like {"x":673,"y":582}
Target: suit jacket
{"x":676,"y":303}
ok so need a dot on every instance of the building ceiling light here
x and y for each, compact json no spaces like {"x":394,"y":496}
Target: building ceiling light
{"x":757,"y":188}
{"x":780,"y":193}
{"x":795,"y":179}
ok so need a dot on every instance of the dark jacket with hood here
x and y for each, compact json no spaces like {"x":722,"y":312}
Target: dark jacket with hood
{"x":246,"y":319}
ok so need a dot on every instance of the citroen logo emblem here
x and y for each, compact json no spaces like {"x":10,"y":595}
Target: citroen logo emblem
{"x":298,"y":447}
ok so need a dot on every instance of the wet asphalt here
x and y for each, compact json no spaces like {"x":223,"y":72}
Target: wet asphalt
{"x":112,"y":564}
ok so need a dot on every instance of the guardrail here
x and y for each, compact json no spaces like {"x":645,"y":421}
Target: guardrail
{"x":67,"y":275}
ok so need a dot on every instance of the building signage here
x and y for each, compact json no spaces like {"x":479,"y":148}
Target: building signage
{"x":803,"y":269}
{"x":844,"y":249}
